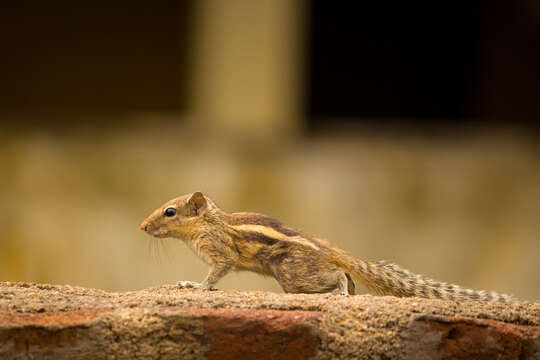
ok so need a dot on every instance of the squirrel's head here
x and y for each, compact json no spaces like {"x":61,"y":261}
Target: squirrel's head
{"x":178,"y":217}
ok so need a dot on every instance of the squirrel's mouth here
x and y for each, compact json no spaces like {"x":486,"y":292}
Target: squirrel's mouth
{"x":160,"y":233}
{"x":149,"y":229}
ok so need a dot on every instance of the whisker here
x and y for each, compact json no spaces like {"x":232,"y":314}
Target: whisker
{"x":164,"y":246}
{"x":157,"y":248}
{"x":153,"y":249}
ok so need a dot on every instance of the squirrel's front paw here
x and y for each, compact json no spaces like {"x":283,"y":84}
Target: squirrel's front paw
{"x":193,"y":285}
{"x":189,"y":285}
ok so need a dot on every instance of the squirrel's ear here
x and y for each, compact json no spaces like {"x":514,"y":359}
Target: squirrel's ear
{"x":198,"y":203}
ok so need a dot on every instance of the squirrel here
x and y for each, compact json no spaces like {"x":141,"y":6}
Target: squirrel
{"x":299,"y":262}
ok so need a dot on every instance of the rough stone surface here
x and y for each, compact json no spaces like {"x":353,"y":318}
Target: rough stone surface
{"x":55,"y":322}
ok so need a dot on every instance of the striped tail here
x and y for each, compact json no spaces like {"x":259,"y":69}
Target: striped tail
{"x":389,"y":279}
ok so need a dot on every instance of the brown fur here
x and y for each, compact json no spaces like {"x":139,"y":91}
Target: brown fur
{"x":299,"y":262}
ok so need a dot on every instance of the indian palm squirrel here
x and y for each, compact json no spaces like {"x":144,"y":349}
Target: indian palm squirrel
{"x":299,"y":262}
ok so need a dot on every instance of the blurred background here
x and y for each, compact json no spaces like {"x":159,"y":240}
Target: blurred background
{"x":399,"y":131}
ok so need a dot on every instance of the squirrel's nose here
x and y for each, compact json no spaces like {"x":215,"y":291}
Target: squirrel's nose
{"x":144,"y":226}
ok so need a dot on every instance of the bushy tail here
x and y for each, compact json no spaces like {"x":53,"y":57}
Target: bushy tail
{"x":389,"y":279}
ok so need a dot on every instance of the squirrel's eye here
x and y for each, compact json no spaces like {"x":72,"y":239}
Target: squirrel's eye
{"x":170,"y":211}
